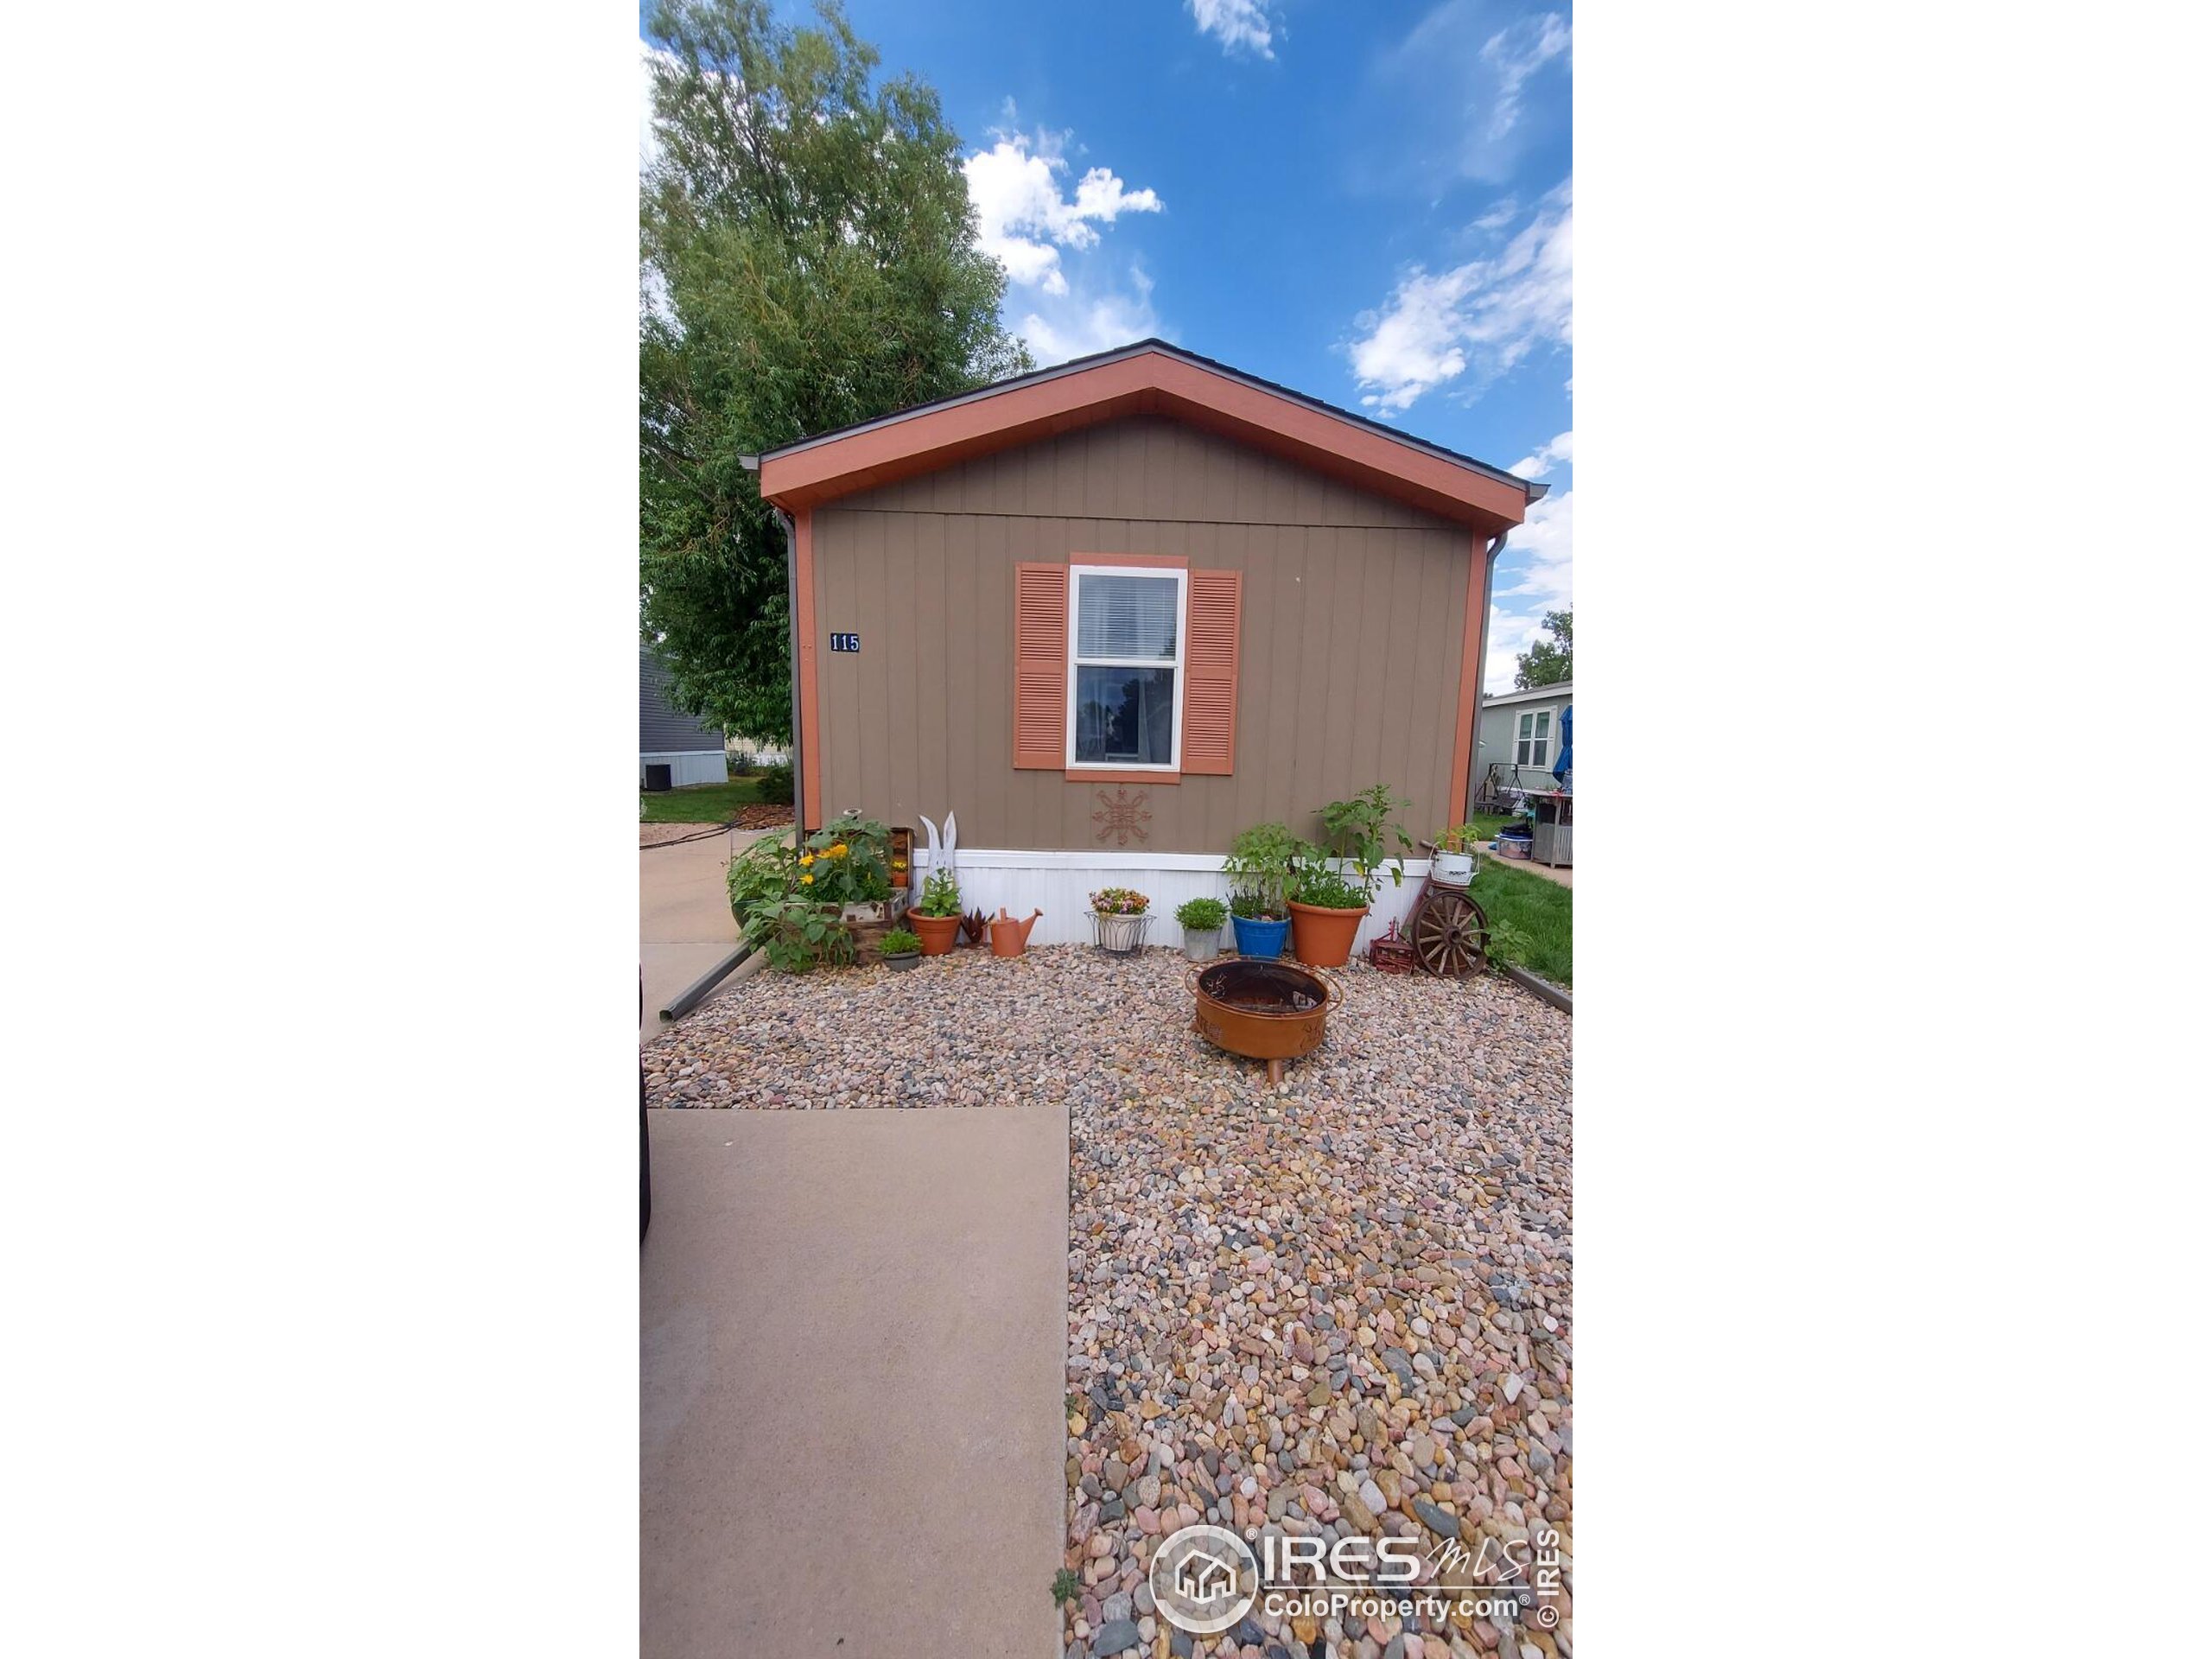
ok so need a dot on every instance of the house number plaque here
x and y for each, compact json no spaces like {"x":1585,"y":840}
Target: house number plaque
{"x":844,"y":642}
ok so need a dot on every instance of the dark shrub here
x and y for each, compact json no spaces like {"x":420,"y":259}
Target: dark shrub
{"x":776,"y":784}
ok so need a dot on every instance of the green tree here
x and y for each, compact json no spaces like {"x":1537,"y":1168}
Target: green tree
{"x":807,"y":259}
{"x":1548,"y":661}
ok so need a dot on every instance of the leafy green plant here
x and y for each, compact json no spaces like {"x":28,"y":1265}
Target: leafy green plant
{"x":940,"y":895}
{"x":1361,"y":830}
{"x":1506,"y":941}
{"x":846,"y":861}
{"x":1461,"y":838}
{"x":1254,"y":908}
{"x":1326,"y":889}
{"x":1065,"y":1587}
{"x":778,"y":913}
{"x":799,"y":934}
{"x":1260,"y":863}
{"x":899,"y":943}
{"x":776,"y":786}
{"x":762,"y":873}
{"x":1203,"y":915}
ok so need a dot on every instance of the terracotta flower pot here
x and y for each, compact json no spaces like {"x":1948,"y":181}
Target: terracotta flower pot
{"x":1323,"y":938}
{"x":937,"y":933}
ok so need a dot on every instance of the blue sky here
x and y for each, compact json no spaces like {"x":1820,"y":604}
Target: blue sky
{"x":1370,"y":203}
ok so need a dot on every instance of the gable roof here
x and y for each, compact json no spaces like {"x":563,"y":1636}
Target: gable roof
{"x":1534,"y":693}
{"x":1150,"y":376}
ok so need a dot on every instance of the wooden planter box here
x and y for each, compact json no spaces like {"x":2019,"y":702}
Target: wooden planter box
{"x":868,"y":936}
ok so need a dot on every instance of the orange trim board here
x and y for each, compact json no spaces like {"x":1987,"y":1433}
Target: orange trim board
{"x":809,"y":678}
{"x":1161,"y":561}
{"x":1153,"y":382}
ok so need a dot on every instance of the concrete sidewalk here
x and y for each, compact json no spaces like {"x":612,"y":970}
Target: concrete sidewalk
{"x":684,"y":926}
{"x":853,"y":1367}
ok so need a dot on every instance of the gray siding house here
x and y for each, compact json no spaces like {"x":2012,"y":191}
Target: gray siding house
{"x":693,"y":752}
{"x":1519,"y":736}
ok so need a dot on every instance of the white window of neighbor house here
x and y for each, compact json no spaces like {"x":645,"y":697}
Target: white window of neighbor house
{"x":1533,"y":745}
{"x":1125,"y":667}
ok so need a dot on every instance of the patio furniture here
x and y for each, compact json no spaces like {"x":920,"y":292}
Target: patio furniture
{"x":1553,"y":840}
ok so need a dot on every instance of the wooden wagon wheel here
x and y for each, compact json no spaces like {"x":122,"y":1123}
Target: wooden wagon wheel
{"x":1451,"y":935}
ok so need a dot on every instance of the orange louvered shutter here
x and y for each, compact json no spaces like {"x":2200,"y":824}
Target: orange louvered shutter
{"x":1040,"y":665}
{"x":1210,"y":672}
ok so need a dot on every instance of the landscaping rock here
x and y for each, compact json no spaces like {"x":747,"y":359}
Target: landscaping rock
{"x":1368,"y":1273}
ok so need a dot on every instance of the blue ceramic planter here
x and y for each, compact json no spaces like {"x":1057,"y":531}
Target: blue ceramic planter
{"x":1256,"y":939}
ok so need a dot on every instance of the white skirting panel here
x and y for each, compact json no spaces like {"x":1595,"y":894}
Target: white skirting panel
{"x":707,"y":766}
{"x":1060,"y":884}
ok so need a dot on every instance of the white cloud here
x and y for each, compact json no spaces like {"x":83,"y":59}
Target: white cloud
{"x":1069,"y":302}
{"x":1535,"y":574}
{"x":1024,"y":218}
{"x":1091,"y":322}
{"x":1516,"y":52}
{"x":1457,"y":99}
{"x":1501,"y":215}
{"x":1236,"y":24}
{"x":1486,"y":315}
{"x":1536,"y":465}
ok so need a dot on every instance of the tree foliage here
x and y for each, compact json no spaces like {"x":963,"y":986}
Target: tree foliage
{"x":807,"y":259}
{"x":1550,"y":661}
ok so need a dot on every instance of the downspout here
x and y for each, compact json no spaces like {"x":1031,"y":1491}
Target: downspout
{"x":1482,"y":663}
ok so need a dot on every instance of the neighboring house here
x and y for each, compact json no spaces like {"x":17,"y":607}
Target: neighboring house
{"x":759,"y":750}
{"x":692,"y":753}
{"x":1112,"y":613}
{"x":1520,"y":735}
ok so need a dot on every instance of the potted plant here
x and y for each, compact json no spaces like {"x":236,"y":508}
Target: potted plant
{"x":1119,"y":917}
{"x":1259,"y":867}
{"x":1454,"y":863}
{"x":937,"y":918}
{"x":1326,"y":904}
{"x":1202,"y":921}
{"x":1326,"y":908}
{"x":901,"y":950}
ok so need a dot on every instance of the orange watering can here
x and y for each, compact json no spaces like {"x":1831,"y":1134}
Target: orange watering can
{"x":1008,"y":937}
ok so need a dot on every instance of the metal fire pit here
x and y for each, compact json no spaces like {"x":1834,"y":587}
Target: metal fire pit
{"x":1267,"y":1011}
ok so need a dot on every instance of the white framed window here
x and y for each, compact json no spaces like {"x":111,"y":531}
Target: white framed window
{"x":1532,"y":743}
{"x":1125,"y":667}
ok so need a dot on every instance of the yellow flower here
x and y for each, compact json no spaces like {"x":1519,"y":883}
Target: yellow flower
{"x":806,"y":880}
{"x":841,"y":849}
{"x":805,"y":860}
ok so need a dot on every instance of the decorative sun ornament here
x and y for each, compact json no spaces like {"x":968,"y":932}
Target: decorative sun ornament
{"x":1122,"y":816}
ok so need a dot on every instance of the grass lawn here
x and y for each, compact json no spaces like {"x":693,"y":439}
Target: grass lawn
{"x":700,"y":802}
{"x":1489,"y":823}
{"x":1542,"y":910}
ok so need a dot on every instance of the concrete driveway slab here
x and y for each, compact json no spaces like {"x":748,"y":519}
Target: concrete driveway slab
{"x":684,"y":926}
{"x":852,"y":1441}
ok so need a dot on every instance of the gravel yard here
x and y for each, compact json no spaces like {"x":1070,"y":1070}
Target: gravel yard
{"x":1343,"y":1307}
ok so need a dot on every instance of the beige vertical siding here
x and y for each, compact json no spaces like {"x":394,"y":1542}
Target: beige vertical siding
{"x":1354,"y":607}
